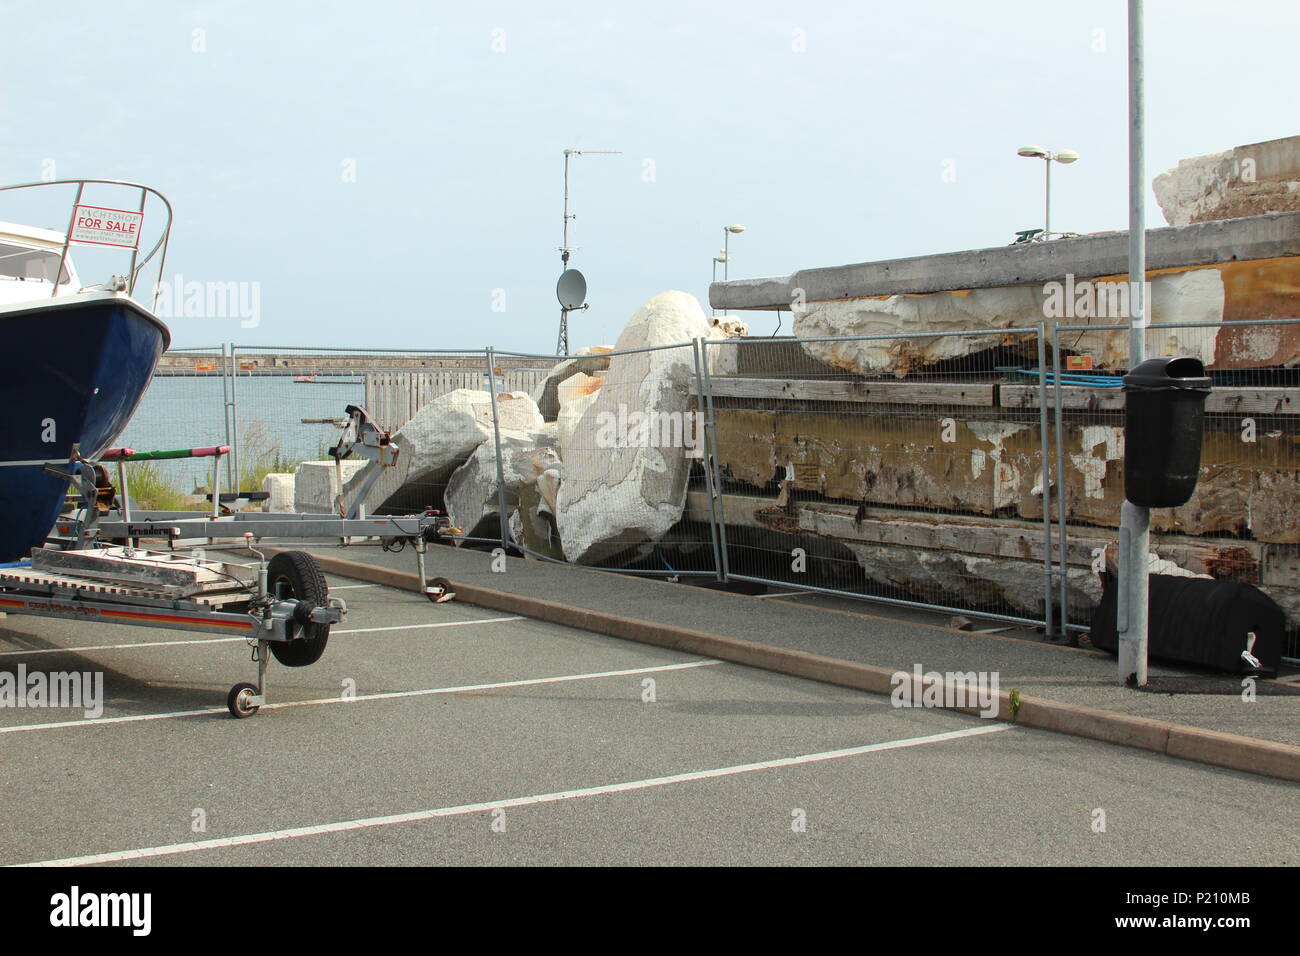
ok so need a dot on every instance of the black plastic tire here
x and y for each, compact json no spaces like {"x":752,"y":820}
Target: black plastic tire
{"x":295,"y":574}
{"x":446,"y":589}
{"x":237,"y":708}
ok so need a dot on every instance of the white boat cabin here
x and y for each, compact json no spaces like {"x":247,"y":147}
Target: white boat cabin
{"x":29,"y":257}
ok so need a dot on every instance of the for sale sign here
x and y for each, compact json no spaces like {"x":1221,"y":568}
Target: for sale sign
{"x":107,"y":227}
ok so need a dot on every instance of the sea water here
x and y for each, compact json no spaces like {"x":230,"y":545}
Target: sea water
{"x":186,"y":411}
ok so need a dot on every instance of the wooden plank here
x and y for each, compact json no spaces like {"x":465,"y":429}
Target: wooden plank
{"x":1077,"y":397}
{"x":1009,"y":538}
{"x":1253,"y":401}
{"x":976,"y":394}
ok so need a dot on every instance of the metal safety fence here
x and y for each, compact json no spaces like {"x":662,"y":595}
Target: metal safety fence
{"x":1243,"y":520}
{"x":184,"y":406}
{"x":967,"y":472}
{"x":885,"y":467}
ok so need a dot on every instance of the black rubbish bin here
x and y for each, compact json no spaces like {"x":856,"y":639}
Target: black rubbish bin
{"x":1164,"y":406}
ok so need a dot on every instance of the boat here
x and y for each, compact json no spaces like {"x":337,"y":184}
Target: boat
{"x":76,"y":360}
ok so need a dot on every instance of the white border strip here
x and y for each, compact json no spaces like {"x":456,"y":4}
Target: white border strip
{"x":231,"y":640}
{"x":389,"y":695}
{"x":468,"y":808}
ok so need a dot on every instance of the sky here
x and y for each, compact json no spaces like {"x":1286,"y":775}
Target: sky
{"x":390,"y":175}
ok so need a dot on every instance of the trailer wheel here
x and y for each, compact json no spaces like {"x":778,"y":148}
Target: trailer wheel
{"x":237,"y":700}
{"x":444,"y":593}
{"x":295,"y":574}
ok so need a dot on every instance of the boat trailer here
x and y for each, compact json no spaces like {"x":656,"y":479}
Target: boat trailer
{"x":94,"y":569}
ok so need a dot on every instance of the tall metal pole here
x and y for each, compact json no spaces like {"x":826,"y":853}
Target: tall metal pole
{"x":715,"y":276}
{"x":562,"y":344}
{"x":1135,"y":521}
{"x":1047,"y":199}
{"x":225,"y":409}
{"x":726,"y":253}
{"x":503,"y":513}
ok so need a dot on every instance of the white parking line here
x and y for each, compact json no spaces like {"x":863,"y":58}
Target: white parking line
{"x":468,"y":808}
{"x":232,"y":640}
{"x":407,"y":627}
{"x":118,"y":647}
{"x":389,"y":695}
{"x":352,"y":587}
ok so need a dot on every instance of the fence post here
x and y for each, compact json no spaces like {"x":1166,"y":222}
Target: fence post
{"x":712,"y":462}
{"x":707,"y":459}
{"x":504,"y":523}
{"x":234,"y":415}
{"x":1062,"y":582}
{"x":226,"y":366}
{"x":1044,"y":456}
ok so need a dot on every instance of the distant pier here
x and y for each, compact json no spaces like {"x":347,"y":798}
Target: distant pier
{"x":335,"y":363}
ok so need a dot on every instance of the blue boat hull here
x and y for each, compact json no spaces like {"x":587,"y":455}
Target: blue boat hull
{"x":72,"y":372}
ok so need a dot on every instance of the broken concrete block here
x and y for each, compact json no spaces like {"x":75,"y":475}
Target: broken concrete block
{"x":626,"y":460}
{"x":433,"y":444}
{"x":316,"y":485}
{"x":1243,"y":181}
{"x":280,"y":488}
{"x":585,"y":366}
{"x":724,"y":357}
{"x":472,"y":492}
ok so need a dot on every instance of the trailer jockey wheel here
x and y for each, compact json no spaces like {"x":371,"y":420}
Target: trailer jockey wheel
{"x":237,"y":700}
{"x":440,"y":591}
{"x":295,"y":574}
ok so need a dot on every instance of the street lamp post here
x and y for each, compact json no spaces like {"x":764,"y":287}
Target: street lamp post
{"x":1063,"y":156}
{"x":720,"y":257}
{"x":727,"y":232}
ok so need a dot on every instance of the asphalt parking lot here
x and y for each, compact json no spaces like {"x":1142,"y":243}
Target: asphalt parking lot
{"x":473,"y":737}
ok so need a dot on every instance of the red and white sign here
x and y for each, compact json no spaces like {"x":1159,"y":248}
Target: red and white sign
{"x":107,"y":227}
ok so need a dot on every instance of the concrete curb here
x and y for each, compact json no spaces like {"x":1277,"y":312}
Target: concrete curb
{"x":1246,"y":754}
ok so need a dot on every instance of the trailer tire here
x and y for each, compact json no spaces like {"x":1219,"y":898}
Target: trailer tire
{"x":235,"y":701}
{"x":295,"y":574}
{"x":447,"y":593}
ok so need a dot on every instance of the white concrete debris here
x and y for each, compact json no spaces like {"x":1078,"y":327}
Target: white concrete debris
{"x":617,"y":495}
{"x":280,"y":488}
{"x":1006,"y":307}
{"x":1190,"y":297}
{"x":472,"y":492}
{"x":1243,"y":181}
{"x":1195,"y":296}
{"x":567,"y":424}
{"x":440,"y":438}
{"x":316,"y":485}
{"x":575,"y":376}
{"x":948,"y":577}
{"x":724,"y":357}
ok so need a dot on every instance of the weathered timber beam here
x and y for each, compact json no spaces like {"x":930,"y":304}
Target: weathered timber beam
{"x":1255,"y":237}
{"x":1254,"y":401}
{"x":1008,"y":539}
{"x":842,"y":390}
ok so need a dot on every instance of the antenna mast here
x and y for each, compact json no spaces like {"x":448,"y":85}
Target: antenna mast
{"x":562,"y":344}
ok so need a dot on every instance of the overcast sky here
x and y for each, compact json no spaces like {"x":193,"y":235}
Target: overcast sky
{"x":390,"y":174}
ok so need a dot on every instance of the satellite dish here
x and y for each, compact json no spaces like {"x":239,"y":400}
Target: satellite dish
{"x":571,"y":290}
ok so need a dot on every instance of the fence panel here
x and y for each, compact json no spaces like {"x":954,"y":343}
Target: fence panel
{"x":1243,"y":521}
{"x":885,"y":468}
{"x":908,"y":471}
{"x":627,"y":437}
{"x":184,"y":407}
{"x":290,"y":406}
